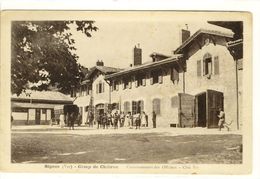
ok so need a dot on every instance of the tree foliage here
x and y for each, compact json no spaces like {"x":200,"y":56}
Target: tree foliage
{"x":43,"y":55}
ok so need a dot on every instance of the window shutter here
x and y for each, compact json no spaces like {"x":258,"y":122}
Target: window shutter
{"x":103,"y":87}
{"x":177,"y":75}
{"x":133,"y":107}
{"x":160,"y":80}
{"x":111,"y":87}
{"x":216,"y":65}
{"x":97,"y":88}
{"x":199,"y":68}
{"x":151,"y":80}
{"x":117,"y":86}
{"x":142,"y":105}
{"x":130,"y":84}
{"x":136,"y":83}
{"x":144,"y":81}
{"x":174,"y":75}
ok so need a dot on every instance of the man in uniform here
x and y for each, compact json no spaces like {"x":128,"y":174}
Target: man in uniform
{"x":154,"y":119}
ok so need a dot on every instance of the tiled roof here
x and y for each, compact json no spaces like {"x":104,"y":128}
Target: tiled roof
{"x":103,"y":69}
{"x":209,"y":29}
{"x":107,"y":70}
{"x":147,"y":65}
{"x":159,"y":54}
{"x":32,"y":105}
{"x":43,"y":95}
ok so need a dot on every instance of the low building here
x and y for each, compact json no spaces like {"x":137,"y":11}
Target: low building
{"x":36,"y":107}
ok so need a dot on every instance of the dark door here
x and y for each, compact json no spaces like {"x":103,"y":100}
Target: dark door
{"x":214,"y":102}
{"x":201,"y":117}
{"x":38,"y":116}
{"x":186,"y":110}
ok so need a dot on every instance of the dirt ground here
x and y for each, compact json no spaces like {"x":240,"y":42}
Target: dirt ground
{"x":148,"y":147}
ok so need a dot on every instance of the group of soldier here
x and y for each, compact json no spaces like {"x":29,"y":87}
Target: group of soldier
{"x":120,"y":119}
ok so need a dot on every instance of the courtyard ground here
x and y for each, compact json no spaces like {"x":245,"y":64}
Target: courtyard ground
{"x":46,"y":144}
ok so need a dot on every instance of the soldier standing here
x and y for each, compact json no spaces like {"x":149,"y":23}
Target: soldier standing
{"x":154,"y":119}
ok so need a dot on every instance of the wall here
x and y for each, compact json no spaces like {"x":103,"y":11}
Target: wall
{"x":83,"y":101}
{"x":31,"y":116}
{"x":20,"y":118}
{"x":224,"y":82}
{"x":147,"y":93}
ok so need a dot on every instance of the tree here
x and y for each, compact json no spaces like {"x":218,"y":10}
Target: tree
{"x":43,"y":55}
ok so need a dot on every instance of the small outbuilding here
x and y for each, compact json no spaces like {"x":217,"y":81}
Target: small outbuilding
{"x":36,"y":107}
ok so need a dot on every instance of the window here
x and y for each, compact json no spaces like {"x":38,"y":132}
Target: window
{"x":140,"y":106}
{"x":134,"y":107}
{"x":126,"y":107}
{"x":174,"y":74}
{"x":216,"y":65}
{"x":115,"y":86}
{"x":207,"y":64}
{"x":140,"y":80}
{"x":100,"y":87}
{"x":43,"y":111}
{"x":127,"y":84}
{"x":115,"y":106}
{"x":157,"y":106}
{"x":137,"y":106}
{"x":156,"y":77}
{"x":86,"y":108}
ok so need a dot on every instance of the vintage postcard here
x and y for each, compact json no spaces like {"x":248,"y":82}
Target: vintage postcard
{"x":126,"y":92}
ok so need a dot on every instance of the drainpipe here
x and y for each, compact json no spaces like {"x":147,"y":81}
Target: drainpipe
{"x":109,"y":94}
{"x":183,"y":81}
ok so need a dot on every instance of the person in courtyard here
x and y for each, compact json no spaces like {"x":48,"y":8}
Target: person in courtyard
{"x":143,"y":120}
{"x":99,"y":118}
{"x":104,"y":121}
{"x":116,"y":120}
{"x":109,"y":119}
{"x":122,"y":119}
{"x":62,"y":118}
{"x":222,"y":123}
{"x":154,"y":119}
{"x":91,"y":119}
{"x":131,"y":118}
{"x":71,"y":120}
{"x":146,"y":119}
{"x":66,"y":119}
{"x":138,"y":121}
{"x":127,"y":120}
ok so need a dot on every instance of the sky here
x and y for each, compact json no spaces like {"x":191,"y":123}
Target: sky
{"x":113,"y":43}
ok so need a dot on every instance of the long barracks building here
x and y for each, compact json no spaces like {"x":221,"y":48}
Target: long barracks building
{"x":185,"y":89}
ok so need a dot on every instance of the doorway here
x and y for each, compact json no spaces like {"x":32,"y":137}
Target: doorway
{"x":207,"y":108}
{"x":201,"y":110}
{"x":38,"y":116}
{"x":100,"y":109}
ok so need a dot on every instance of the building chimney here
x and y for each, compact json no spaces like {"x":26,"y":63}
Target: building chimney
{"x":100,"y":63}
{"x":137,"y":55}
{"x":185,"y":34}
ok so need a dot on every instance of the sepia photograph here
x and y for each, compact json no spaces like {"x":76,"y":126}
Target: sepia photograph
{"x":141,"y":91}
